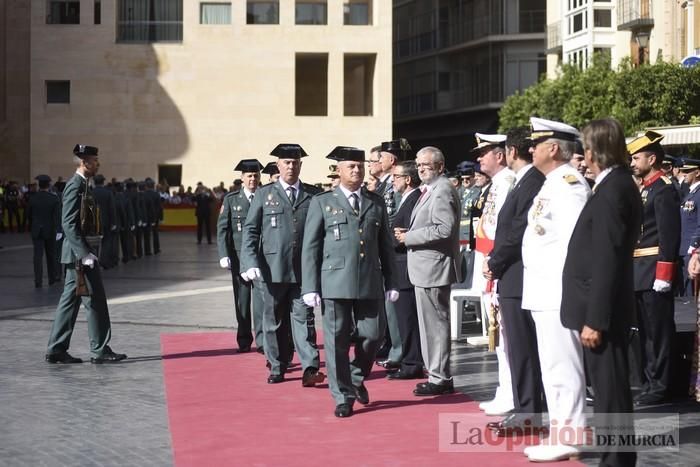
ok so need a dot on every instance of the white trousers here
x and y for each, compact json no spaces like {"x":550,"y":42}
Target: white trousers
{"x":504,"y":391}
{"x":561,"y":360}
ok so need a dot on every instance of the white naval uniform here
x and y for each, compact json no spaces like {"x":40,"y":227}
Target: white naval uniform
{"x":501,"y":184}
{"x":551,"y":220}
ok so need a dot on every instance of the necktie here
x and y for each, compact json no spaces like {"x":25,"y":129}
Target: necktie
{"x":250,"y":198}
{"x":292,"y":195}
{"x":423,"y":191}
{"x":354,"y":202}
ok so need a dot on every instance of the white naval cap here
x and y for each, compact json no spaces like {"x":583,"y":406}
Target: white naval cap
{"x":485,"y":141}
{"x":543,"y":129}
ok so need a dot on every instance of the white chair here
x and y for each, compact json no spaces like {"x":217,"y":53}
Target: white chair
{"x":457,"y":299}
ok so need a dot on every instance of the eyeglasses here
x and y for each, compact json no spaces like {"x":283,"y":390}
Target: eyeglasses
{"x":372,"y":161}
{"x":400,"y":175}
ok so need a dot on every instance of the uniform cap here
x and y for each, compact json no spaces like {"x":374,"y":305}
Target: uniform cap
{"x":288,"y":151}
{"x":347,"y":153}
{"x":650,"y":140}
{"x":543,"y":129}
{"x":271,"y":168}
{"x":690,"y":164}
{"x":249,"y":165}
{"x":81,"y":150}
{"x":485,"y":141}
{"x":43,"y":179}
{"x":398,"y":147}
{"x":454,"y":174}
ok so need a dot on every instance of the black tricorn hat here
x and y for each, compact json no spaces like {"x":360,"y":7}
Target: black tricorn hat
{"x":347,"y":153}
{"x":249,"y":165}
{"x":271,"y":168}
{"x":288,"y":151}
{"x":398,"y":147}
{"x":81,"y":150}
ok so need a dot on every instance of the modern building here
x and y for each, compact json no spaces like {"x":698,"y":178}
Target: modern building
{"x":643,"y":30}
{"x":183,"y":89}
{"x":456,"y":61}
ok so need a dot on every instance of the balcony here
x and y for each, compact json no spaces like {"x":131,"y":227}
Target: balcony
{"x":634,"y":14}
{"x":554,"y":38}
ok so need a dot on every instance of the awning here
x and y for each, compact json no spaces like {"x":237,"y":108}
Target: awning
{"x":681,"y":135}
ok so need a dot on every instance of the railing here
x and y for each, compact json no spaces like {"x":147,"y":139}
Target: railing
{"x":633,"y":13}
{"x":149,"y":31}
{"x":554,"y":36}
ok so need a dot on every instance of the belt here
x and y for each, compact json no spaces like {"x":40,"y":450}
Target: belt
{"x":648,"y":251}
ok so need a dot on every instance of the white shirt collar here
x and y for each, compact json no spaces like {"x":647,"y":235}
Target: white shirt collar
{"x":285,"y":185}
{"x":347,"y":192}
{"x":694,"y":185}
{"x":247,"y":193}
{"x":81,"y":175}
{"x":601,"y":176}
{"x":521,"y":173}
{"x":405,"y":194}
{"x":385,"y":177}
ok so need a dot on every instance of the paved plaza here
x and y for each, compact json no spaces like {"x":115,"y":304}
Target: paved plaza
{"x":116,"y":414}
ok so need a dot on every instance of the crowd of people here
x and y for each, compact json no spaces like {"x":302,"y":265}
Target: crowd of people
{"x":568,"y":253}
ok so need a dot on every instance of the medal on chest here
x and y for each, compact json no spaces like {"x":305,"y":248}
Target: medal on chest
{"x":689,"y":206}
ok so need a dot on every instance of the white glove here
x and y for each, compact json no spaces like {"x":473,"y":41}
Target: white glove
{"x":59,"y":236}
{"x":312,"y":299}
{"x":253,"y":273}
{"x":113,"y":228}
{"x":391,"y":295}
{"x":225,"y":263}
{"x":153,"y":224}
{"x":245,"y":277}
{"x":88,"y":260}
{"x":133,"y":227}
{"x":661,"y":286}
{"x":691,"y":249}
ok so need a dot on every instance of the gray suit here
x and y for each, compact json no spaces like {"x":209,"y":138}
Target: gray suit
{"x":433,"y":266}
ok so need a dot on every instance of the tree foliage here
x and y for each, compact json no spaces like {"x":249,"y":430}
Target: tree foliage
{"x":640,"y":97}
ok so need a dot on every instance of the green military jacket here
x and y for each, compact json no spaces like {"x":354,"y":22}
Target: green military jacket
{"x":348,"y":255}
{"x":74,"y":246}
{"x":229,"y":232}
{"x":44,"y":212}
{"x":274,"y":231}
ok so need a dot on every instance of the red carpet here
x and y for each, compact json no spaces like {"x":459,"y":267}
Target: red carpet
{"x":222,"y":412}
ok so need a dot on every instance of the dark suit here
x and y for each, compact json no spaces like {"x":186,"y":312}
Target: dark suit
{"x":661,"y":230}
{"x":406,"y":310}
{"x":108,"y":221}
{"x":506,"y":264}
{"x":690,"y":235}
{"x":43,"y":214}
{"x":598,"y":292}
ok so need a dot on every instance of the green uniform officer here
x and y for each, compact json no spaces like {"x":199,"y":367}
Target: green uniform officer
{"x":272,"y":239}
{"x":80,"y":221}
{"x":347,"y":266}
{"x":43,"y":213}
{"x":229,"y":236}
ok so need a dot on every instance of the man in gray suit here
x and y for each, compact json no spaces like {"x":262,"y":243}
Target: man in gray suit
{"x":433,"y":266}
{"x":349,"y":261}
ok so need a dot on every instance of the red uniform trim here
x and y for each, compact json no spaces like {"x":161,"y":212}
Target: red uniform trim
{"x":665,"y":270}
{"x":653,"y":178}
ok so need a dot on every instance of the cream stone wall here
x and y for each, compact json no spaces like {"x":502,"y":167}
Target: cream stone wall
{"x":225,"y":93}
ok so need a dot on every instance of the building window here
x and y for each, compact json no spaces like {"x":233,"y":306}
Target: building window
{"x":63,"y":12}
{"x":98,"y":12}
{"x":358,"y":85}
{"x":311,"y":12}
{"x":357,"y":12}
{"x":215,"y":13}
{"x":263,"y":12}
{"x":58,"y":92}
{"x":577,"y":22}
{"x":602,"y":18}
{"x":311,"y":86}
{"x":149,"y":20}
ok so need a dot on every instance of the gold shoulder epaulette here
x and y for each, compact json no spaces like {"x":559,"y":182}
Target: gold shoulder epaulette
{"x":571,"y":179}
{"x":666,"y":180}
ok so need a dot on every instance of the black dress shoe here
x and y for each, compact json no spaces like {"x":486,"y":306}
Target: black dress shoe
{"x":62,"y":357}
{"x":389,"y":364}
{"x":515,"y":425}
{"x":244,"y":349}
{"x":362,"y":394}
{"x":274,"y":379}
{"x":108,"y":357}
{"x":404,"y":374}
{"x":432,"y":389}
{"x":312,"y":377}
{"x":646,"y":398}
{"x":589,"y":396}
{"x":343,"y":410}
